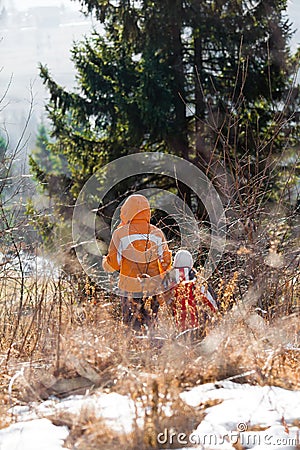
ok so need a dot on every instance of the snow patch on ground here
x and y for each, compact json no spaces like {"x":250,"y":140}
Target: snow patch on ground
{"x":117,"y":410}
{"x":39,"y":434}
{"x":260,"y":418}
{"x":269,"y":410}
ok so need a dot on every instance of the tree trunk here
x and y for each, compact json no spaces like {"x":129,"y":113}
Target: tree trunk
{"x":205,"y":155}
{"x":179,"y":142}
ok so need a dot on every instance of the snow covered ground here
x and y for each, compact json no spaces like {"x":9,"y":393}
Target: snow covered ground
{"x":39,"y":434}
{"x":31,"y":265}
{"x":260,"y":418}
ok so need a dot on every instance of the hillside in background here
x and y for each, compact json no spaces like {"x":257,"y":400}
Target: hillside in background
{"x":36,"y":34}
{"x":35,"y":31}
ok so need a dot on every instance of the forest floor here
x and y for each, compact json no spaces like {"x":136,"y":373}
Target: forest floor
{"x":73,"y":376}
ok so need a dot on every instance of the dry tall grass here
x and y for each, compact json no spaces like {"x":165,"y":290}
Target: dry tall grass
{"x":54,"y":344}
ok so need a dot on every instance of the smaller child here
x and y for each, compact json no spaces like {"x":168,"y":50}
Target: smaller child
{"x":186,"y":301}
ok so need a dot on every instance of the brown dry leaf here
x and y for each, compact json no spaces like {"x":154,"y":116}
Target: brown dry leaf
{"x":244,"y":251}
{"x":257,"y":427}
{"x":209,"y":403}
{"x":238,"y":446}
{"x":286,"y":427}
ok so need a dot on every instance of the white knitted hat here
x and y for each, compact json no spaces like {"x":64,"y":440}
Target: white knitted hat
{"x":183,"y":258}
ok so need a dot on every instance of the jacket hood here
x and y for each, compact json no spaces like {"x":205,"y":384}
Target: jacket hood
{"x":183,"y":258}
{"x":136,"y":207}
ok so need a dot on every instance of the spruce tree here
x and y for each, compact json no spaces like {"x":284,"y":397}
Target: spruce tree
{"x":209,"y":81}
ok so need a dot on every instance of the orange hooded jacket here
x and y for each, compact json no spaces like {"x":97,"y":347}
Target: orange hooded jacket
{"x":137,"y":247}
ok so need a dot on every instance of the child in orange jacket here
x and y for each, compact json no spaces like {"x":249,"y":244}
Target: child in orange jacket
{"x":139,"y":252}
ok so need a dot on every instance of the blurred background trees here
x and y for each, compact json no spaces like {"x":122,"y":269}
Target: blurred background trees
{"x":212,"y":82}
